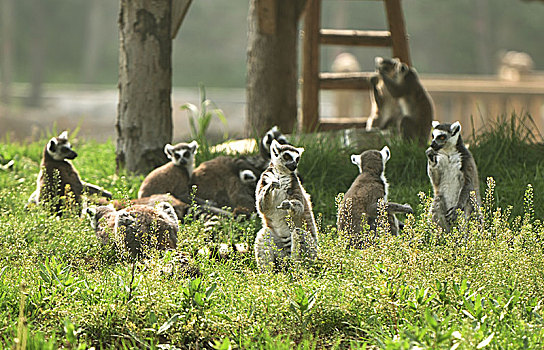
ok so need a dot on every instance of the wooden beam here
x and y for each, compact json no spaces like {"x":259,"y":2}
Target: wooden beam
{"x":379,"y":38}
{"x":397,"y":28}
{"x":345,"y":81}
{"x":179,"y":10}
{"x":341,"y":123}
{"x":266,"y":16}
{"x":310,"y":67}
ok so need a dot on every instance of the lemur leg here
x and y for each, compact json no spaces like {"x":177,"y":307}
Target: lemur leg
{"x":265,"y":249}
{"x":303,"y":245}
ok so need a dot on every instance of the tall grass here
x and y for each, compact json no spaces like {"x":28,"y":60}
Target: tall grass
{"x":482,"y":287}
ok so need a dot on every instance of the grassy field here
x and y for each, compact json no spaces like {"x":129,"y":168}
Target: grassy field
{"x":479,"y":288}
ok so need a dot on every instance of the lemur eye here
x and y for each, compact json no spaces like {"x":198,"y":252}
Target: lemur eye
{"x":441,"y":137}
{"x":286,"y":157}
{"x":185,"y":154}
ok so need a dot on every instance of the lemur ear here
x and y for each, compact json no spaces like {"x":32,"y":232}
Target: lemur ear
{"x":169,"y":150}
{"x":455,"y":128}
{"x":52,"y":145}
{"x":275,"y":129}
{"x":63,"y":135}
{"x":356,"y":159}
{"x":193,"y":146}
{"x":275,"y":148}
{"x":435,"y":123}
{"x":300,"y":150}
{"x":386,"y":153}
{"x":378,"y":60}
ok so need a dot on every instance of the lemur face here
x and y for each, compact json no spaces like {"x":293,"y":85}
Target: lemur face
{"x":59,"y":148}
{"x":96,"y":213}
{"x":247,"y":177}
{"x":285,"y":157}
{"x":445,"y":135}
{"x":372,"y":160}
{"x":181,"y":154}
{"x":271,"y":135}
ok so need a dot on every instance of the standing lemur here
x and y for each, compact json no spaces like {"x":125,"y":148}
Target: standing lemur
{"x":59,"y":178}
{"x":289,"y":228}
{"x":363,"y":195}
{"x":400,"y":101}
{"x":453,"y":174}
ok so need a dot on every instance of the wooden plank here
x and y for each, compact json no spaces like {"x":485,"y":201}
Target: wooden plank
{"x":341,"y":123}
{"x":377,"y":38}
{"x":310,"y":67}
{"x":179,"y":10}
{"x":397,"y":28}
{"x":267,"y":13}
{"x":348,"y":81}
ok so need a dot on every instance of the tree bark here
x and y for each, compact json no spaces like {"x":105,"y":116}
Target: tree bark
{"x":144,"y":115}
{"x":7,"y":49}
{"x":272,"y":69}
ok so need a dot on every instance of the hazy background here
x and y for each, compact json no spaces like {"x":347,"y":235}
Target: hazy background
{"x":75,"y":42}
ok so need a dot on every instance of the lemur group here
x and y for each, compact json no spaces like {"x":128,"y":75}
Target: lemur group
{"x":269,"y":183}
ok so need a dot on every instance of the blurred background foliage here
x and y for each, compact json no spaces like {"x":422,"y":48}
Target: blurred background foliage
{"x":80,"y":38}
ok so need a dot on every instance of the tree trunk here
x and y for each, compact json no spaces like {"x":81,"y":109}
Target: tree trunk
{"x":144,"y":116}
{"x":272,"y":68}
{"x":7,"y":49}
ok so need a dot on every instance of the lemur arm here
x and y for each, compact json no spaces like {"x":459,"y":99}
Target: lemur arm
{"x":268,"y":183}
{"x":395,"y":89}
{"x":377,"y":97}
{"x":464,"y":196}
{"x":392,"y":208}
{"x":94,"y":189}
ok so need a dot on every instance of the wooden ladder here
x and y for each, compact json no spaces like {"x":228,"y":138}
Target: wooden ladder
{"x":314,"y":80}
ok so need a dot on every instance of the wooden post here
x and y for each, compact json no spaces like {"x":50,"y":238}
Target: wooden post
{"x":310,"y":67}
{"x":398,"y":31}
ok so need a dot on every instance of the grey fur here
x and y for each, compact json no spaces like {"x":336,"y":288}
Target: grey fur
{"x":363,"y":196}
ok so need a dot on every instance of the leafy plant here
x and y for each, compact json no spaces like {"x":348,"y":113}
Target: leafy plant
{"x":200,"y":118}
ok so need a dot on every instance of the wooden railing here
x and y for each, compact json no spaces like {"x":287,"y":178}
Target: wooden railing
{"x":480,"y":98}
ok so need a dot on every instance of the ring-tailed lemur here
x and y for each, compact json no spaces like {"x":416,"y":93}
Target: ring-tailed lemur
{"x":136,"y":228}
{"x":453,"y":174}
{"x":58,"y":177}
{"x":363,"y":195}
{"x":415,"y":104}
{"x":385,"y":112}
{"x":289,"y":228}
{"x":173,"y":177}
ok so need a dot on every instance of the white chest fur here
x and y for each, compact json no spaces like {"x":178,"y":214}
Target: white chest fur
{"x":452,"y":179}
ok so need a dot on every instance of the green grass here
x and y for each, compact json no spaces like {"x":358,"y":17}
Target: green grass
{"x":482,"y":287}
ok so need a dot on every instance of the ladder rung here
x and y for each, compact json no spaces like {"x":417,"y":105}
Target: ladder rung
{"x":348,"y":81}
{"x":327,"y":124}
{"x":379,"y":38}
